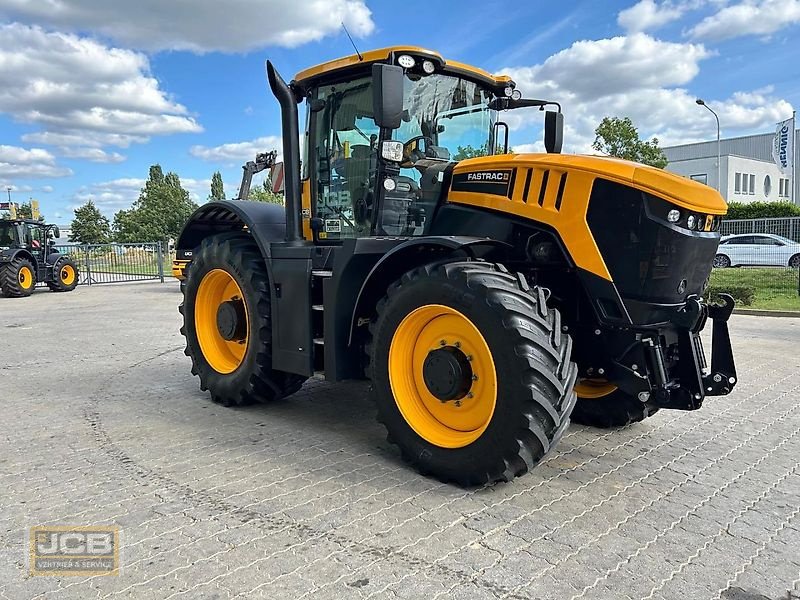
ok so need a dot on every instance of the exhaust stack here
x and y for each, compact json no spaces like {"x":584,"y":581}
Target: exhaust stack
{"x":291,"y":152}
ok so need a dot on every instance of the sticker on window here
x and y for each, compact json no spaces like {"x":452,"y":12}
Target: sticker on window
{"x":333,"y":225}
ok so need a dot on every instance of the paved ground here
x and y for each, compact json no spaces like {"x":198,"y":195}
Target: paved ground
{"x":103,"y":424}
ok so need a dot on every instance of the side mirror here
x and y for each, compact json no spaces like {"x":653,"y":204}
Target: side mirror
{"x":553,"y":131}
{"x":387,"y":99}
{"x":56,"y":232}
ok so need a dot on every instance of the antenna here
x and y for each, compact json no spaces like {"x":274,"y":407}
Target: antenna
{"x":352,"y":42}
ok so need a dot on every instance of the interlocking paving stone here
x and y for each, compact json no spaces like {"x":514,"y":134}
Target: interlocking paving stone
{"x":304,"y":498}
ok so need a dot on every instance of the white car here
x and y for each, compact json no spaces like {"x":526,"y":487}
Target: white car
{"x":765,"y":249}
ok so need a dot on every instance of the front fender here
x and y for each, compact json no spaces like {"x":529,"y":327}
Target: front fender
{"x":411,"y":254}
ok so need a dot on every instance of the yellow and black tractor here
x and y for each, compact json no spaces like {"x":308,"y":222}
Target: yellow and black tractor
{"x":488,"y":299}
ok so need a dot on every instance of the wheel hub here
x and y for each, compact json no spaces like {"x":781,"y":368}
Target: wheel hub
{"x":447,"y":373}
{"x":232,"y":320}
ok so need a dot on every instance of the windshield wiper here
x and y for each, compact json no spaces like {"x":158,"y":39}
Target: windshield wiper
{"x":506,"y":103}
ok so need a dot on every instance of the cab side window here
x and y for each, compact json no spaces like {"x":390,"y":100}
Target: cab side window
{"x":346,"y":156}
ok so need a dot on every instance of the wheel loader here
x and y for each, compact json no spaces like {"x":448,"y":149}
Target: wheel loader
{"x":487,"y":299}
{"x":28,"y":256}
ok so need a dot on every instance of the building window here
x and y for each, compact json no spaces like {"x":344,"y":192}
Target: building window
{"x":767,"y":186}
{"x":752,"y":184}
{"x":783,"y":188}
{"x":700,"y":178}
{"x":737,"y":185}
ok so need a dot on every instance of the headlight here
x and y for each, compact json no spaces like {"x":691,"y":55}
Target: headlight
{"x":406,"y":61}
{"x":674,"y":215}
{"x":690,"y":221}
{"x":516,"y":95}
{"x":428,"y":67}
{"x":508,"y":91}
{"x":389,"y":184}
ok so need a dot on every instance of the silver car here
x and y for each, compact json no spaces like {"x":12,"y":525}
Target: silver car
{"x":762,"y":249}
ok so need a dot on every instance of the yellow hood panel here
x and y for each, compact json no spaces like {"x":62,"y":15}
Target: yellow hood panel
{"x":681,"y":191}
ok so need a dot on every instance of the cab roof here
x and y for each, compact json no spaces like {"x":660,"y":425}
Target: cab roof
{"x":308,"y":76}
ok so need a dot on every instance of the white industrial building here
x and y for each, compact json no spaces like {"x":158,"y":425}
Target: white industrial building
{"x":747,"y":171}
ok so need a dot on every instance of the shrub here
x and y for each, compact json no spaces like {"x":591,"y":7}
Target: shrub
{"x":762,"y":210}
{"x":742,"y":294}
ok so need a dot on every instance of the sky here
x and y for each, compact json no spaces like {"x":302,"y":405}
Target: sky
{"x":92,"y":92}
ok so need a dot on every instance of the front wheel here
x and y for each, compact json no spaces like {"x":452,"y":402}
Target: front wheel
{"x":602,"y":404}
{"x":227,"y":323}
{"x":721,"y":262}
{"x":65,"y":275}
{"x":794,"y":262}
{"x":471,"y":373}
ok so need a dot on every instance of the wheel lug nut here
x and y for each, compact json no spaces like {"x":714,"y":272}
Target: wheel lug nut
{"x":458,"y":344}
{"x":470,"y":395}
{"x":442,"y":343}
{"x":474,"y":378}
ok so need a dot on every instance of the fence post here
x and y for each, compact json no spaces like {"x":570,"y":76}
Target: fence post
{"x":160,"y":263}
{"x":87,"y":258}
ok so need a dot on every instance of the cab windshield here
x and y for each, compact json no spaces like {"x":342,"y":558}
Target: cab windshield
{"x":450,"y":116}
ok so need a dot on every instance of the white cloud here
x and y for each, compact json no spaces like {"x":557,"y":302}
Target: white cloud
{"x":92,"y":154}
{"x":5,"y":185}
{"x":236,"y":152}
{"x":47,"y":189}
{"x":22,"y":163}
{"x":642,"y":78}
{"x":750,"y":17}
{"x":647,"y":15}
{"x":200,"y":25}
{"x":117,"y":194}
{"x":82,"y":93}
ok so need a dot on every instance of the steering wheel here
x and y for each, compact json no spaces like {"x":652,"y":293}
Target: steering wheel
{"x":412,"y":152}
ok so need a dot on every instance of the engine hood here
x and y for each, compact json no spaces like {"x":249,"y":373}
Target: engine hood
{"x":681,"y":191}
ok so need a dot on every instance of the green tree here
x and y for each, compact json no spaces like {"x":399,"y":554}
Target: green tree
{"x":264,"y":193}
{"x":620,"y":138}
{"x":217,"y":189}
{"x":468,"y":151}
{"x":160,"y":212}
{"x":90,"y":226}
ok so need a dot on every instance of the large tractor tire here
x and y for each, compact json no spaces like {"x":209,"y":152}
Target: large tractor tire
{"x":65,"y":275}
{"x":17,"y":278}
{"x":470,"y":370}
{"x":226,"y":323}
{"x":601,"y":404}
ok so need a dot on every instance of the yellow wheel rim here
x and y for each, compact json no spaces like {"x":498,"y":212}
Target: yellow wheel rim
{"x":25,"y":278}
{"x":592,"y":389}
{"x":454,"y":423}
{"x":216,"y":288}
{"x":67,"y":275}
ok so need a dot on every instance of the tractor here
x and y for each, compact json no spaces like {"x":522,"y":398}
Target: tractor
{"x":28,"y":256}
{"x":488,"y":299}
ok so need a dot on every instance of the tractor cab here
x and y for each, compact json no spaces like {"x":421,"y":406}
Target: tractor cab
{"x":381,"y":142}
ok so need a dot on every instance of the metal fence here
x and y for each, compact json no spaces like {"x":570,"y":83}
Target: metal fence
{"x":788,"y":227}
{"x":760,"y":257}
{"x":118,"y":263}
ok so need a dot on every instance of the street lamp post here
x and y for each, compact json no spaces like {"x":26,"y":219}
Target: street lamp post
{"x":701,"y":102}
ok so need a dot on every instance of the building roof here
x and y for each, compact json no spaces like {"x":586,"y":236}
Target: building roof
{"x":758,"y":147}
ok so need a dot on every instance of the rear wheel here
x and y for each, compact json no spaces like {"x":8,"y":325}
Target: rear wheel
{"x":227,"y":323}
{"x":721,"y":261}
{"x":17,"y":278}
{"x":65,"y":275}
{"x":471,"y":373}
{"x":602,"y":404}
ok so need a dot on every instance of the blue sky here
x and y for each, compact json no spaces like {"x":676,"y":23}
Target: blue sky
{"x":94,"y":91}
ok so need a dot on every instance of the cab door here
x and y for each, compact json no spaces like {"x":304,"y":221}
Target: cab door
{"x":345,"y":139}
